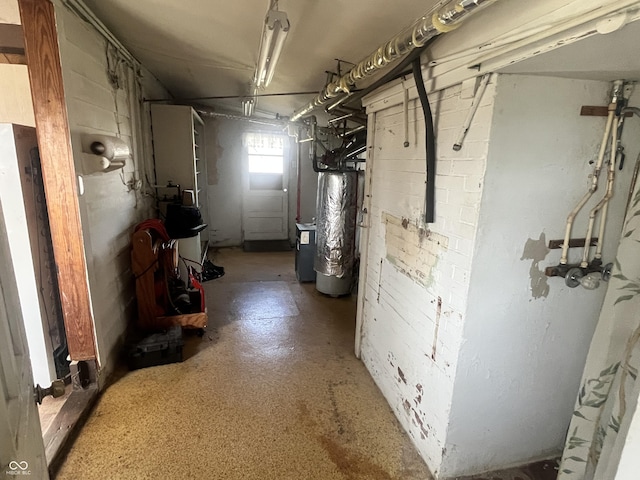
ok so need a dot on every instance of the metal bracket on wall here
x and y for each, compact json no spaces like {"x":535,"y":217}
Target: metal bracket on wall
{"x":573,"y":243}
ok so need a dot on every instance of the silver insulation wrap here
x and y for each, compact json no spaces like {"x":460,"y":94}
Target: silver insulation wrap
{"x":446,"y":16}
{"x":336,"y":223}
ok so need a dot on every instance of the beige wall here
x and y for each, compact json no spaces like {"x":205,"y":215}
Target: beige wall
{"x":15,"y":95}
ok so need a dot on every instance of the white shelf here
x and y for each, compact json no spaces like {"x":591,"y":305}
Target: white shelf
{"x":178,"y":133}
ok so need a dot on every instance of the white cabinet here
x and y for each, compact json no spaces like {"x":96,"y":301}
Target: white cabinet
{"x":178,"y":149}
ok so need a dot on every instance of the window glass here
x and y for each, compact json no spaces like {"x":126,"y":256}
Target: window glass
{"x":266,"y":164}
{"x":266,"y":152}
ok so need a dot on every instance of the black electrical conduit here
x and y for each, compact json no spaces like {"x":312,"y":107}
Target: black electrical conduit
{"x":429,"y":198}
{"x":400,"y":70}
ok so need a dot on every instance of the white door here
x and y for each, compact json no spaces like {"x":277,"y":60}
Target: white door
{"x":21,"y":447}
{"x":265,"y":206}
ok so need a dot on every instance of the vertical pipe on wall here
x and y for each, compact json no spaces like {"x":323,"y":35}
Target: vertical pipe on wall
{"x":592,"y":188}
{"x":364,"y":235}
{"x":602,"y":205}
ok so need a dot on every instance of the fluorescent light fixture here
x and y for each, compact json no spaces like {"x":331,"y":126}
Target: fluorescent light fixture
{"x":276,"y":28}
{"x":248,"y":105}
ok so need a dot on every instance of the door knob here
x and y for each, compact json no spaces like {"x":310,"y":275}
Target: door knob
{"x":56,"y":390}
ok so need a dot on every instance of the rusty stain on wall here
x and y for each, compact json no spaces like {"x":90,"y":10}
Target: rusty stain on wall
{"x":214,"y":152}
{"x":536,"y":251}
{"x":413,"y":250}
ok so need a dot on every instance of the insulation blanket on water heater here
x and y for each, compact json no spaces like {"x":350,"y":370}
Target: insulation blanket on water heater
{"x":335,"y":223}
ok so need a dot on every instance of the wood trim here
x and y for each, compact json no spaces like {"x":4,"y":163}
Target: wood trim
{"x":13,"y":59}
{"x":597,"y":111}
{"x":573,"y":243}
{"x":65,"y":426}
{"x":58,"y":171}
{"x":11,"y":38}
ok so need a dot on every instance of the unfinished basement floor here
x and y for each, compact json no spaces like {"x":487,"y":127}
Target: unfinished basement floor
{"x":272,"y":391}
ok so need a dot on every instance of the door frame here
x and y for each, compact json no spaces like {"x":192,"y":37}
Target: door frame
{"x":21,"y":447}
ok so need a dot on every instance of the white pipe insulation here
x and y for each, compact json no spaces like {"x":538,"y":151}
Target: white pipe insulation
{"x":616,"y":96}
{"x":446,"y":16}
{"x":602,"y":205}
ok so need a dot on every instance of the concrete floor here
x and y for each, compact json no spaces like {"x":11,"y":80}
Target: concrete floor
{"x":272,"y":391}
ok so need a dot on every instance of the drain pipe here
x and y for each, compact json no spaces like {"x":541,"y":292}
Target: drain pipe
{"x":439,"y":20}
{"x":617,"y":91}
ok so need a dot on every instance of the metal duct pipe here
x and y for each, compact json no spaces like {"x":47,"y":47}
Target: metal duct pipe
{"x":437,"y":21}
{"x":335,"y":232}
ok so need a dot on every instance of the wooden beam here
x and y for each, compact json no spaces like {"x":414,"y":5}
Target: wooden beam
{"x":11,"y":38}
{"x":597,"y":111}
{"x":12,"y":44}
{"x":573,"y":243}
{"x":13,"y":59}
{"x":58,"y":171}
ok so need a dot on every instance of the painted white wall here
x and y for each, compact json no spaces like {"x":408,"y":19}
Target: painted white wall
{"x":40,"y":350}
{"x":510,"y":351}
{"x":526,"y":336}
{"x":225,"y":160}
{"x":109,"y":209}
{"x":224,"y":172}
{"x":415,"y":279}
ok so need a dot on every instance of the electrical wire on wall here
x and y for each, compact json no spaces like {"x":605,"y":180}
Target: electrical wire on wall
{"x":126,"y":77}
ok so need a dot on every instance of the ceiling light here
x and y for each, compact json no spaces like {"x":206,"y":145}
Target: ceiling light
{"x":247,"y":107}
{"x":274,"y":33}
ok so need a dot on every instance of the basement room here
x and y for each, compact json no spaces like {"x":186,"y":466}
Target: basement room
{"x":358,"y":240}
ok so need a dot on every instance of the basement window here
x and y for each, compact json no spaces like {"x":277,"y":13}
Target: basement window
{"x":266,"y":161}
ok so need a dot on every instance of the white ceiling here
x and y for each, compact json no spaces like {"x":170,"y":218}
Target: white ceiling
{"x":601,"y":57}
{"x":202,"y":48}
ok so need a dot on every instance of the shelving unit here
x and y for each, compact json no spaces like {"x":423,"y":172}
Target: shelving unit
{"x":178,"y":146}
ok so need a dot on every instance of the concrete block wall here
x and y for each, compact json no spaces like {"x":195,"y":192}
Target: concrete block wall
{"x":526,"y":336}
{"x":416,"y":276}
{"x":476,"y":350}
{"x":109,"y":209}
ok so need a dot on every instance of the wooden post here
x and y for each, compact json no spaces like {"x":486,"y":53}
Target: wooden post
{"x":58,"y":172}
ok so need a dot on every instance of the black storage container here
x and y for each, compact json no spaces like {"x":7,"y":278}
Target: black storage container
{"x":156,"y":349}
{"x":183,"y":221}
